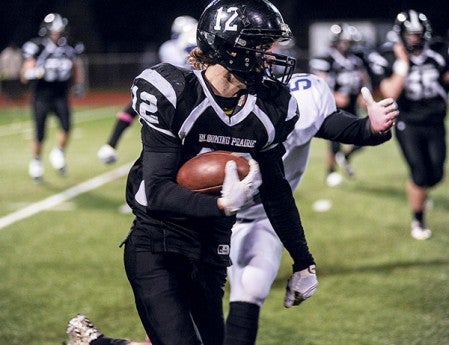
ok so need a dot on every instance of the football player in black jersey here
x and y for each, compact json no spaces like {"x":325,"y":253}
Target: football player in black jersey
{"x":254,"y":270}
{"x":418,"y":77}
{"x":177,"y":252}
{"x":346,"y":74}
{"x":256,"y":251}
{"x":51,"y":66}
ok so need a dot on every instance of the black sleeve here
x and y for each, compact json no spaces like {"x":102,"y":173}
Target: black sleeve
{"x":279,"y":204}
{"x":160,"y":164}
{"x":347,"y":128}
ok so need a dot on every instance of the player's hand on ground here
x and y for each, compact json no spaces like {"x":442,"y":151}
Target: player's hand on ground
{"x":236,"y":193}
{"x":382,"y":114}
{"x":300,"y":286}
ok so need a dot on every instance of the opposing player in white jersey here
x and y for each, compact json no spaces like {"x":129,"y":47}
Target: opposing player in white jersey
{"x":181,"y":42}
{"x":255,"y":248}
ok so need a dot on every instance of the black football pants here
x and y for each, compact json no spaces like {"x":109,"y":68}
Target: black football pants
{"x":179,"y":301}
{"x":44,"y":104}
{"x":424,"y":149}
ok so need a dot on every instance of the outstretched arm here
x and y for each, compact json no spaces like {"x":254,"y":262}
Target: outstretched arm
{"x":374,"y":129}
{"x":381,"y":114}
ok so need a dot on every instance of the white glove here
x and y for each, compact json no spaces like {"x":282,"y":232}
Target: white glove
{"x":34,"y":73}
{"x":382,"y":114}
{"x":236,"y":193}
{"x":300,"y":286}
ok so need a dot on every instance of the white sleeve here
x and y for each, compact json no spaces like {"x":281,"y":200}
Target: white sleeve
{"x":170,"y":52}
{"x":315,"y":102}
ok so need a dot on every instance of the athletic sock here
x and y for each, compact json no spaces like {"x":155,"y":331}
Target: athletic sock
{"x":419,"y":216}
{"x":242,"y":324}
{"x":118,"y":130}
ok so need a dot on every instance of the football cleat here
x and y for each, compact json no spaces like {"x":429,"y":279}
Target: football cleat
{"x":334,"y":179}
{"x":35,"y":169}
{"x":57,"y":160}
{"x":419,"y":231}
{"x":300,"y":286}
{"x":81,"y":331}
{"x":107,"y":154}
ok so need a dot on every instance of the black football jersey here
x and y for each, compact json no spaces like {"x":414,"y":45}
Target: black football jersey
{"x":186,"y":109}
{"x":181,"y":118}
{"x":424,"y":97}
{"x":345,"y":73}
{"x":55,"y":58}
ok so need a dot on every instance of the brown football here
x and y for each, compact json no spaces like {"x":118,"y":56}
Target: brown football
{"x":205,"y":172}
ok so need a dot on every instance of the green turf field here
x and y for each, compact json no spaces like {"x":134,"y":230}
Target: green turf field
{"x":377,"y":284}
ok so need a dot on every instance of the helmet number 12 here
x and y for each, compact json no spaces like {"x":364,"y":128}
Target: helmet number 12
{"x":228,"y":26}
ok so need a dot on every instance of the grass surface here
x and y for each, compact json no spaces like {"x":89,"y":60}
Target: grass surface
{"x":377,"y":284}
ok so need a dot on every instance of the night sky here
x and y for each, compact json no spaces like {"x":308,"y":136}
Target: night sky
{"x":130,"y":26}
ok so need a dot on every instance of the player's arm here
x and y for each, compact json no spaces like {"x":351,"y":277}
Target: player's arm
{"x":393,"y":85}
{"x":161,"y":160}
{"x":280,"y":206}
{"x":79,"y":76}
{"x":30,"y":70}
{"x":372,"y":130}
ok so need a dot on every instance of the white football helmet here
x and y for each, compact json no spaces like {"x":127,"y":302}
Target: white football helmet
{"x":53,"y":22}
{"x":182,"y":24}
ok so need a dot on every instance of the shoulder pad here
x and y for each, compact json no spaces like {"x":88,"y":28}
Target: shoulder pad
{"x":271,"y":90}
{"x":165,"y":76}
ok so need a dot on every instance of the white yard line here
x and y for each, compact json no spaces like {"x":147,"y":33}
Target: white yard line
{"x":70,"y":193}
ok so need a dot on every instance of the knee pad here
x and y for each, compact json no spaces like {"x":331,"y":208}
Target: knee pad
{"x":257,"y":283}
{"x":253,"y":285}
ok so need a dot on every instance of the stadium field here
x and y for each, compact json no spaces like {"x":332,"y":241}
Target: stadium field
{"x":60,"y":255}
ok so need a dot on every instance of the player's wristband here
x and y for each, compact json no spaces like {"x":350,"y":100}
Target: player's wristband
{"x":401,"y":67}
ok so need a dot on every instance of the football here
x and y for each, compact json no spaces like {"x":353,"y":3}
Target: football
{"x":205,"y":172}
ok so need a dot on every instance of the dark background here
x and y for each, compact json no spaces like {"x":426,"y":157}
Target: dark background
{"x":131,"y":26}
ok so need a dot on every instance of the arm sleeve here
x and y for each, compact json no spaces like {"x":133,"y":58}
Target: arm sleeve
{"x":279,"y":204}
{"x":349,"y":129}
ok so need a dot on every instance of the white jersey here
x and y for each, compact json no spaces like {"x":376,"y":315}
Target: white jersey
{"x":174,"y":53}
{"x":315,"y":103}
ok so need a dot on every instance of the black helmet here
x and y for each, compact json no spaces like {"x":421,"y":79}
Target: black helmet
{"x":237,"y":34}
{"x":53,"y":22}
{"x":412,"y":22}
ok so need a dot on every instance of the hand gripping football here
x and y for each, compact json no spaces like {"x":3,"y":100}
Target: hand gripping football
{"x":205,"y":172}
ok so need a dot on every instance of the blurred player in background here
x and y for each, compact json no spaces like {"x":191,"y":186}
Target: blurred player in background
{"x":173,"y":51}
{"x":345,"y":73}
{"x":408,"y":70}
{"x":51,"y":66}
{"x":10,"y":65}
{"x":183,"y":39}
